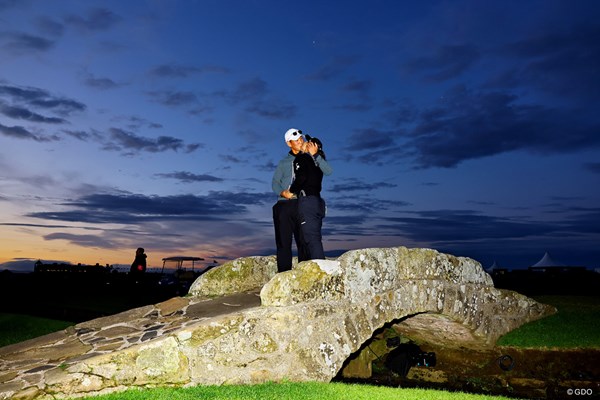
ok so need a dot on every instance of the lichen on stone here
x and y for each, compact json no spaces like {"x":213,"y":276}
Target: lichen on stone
{"x":240,"y":275}
{"x":264,"y":343}
{"x":205,"y":332}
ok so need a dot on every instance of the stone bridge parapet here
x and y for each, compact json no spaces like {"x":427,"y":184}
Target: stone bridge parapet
{"x":310,"y":321}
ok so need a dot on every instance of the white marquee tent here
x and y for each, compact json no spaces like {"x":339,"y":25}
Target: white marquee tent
{"x":493,"y":268}
{"x":547,"y":261}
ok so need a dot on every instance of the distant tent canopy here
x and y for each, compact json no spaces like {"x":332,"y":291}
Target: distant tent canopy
{"x":547,"y":261}
{"x":493,"y":268}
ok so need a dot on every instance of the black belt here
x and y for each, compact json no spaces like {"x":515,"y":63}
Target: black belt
{"x":304,"y":194}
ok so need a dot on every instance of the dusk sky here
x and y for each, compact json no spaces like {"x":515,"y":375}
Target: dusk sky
{"x":471,"y":127}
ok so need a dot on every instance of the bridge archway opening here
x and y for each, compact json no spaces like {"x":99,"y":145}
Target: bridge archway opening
{"x":416,"y":337}
{"x":375,"y":351}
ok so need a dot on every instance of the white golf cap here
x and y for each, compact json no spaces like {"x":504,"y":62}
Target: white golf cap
{"x":293,"y":134}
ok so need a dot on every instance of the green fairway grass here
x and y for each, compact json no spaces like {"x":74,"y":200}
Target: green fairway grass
{"x":16,"y":328}
{"x":293,"y":391}
{"x":575,"y":325}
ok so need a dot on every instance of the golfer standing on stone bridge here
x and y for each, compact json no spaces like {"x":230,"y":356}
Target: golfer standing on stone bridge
{"x":285,"y":212}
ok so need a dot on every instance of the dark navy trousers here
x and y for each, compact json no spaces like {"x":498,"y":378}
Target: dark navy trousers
{"x":287,"y":224}
{"x":311,"y":210}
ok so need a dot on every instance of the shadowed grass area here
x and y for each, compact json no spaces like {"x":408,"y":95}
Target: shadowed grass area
{"x":576,"y":325}
{"x":292,"y":391}
{"x":15,"y":328}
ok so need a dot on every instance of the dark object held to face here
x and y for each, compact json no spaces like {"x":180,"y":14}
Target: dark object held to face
{"x":316,"y":141}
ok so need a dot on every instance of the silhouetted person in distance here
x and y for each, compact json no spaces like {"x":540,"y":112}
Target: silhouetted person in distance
{"x":138,"y":266}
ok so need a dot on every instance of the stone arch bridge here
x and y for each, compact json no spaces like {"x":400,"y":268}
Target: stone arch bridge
{"x":244,"y":323}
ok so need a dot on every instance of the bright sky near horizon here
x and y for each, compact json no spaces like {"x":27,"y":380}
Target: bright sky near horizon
{"x":467,"y":126}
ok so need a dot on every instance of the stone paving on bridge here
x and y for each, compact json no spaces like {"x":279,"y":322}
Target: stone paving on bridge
{"x":23,"y":366}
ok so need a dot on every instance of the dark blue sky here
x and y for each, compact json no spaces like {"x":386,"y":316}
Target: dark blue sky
{"x":471,"y":127}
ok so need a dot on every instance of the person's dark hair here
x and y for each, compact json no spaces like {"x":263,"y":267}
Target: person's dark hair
{"x":319,"y":145}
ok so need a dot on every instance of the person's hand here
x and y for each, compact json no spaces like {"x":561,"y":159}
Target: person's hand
{"x":287,"y":194}
{"x":312,"y":148}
